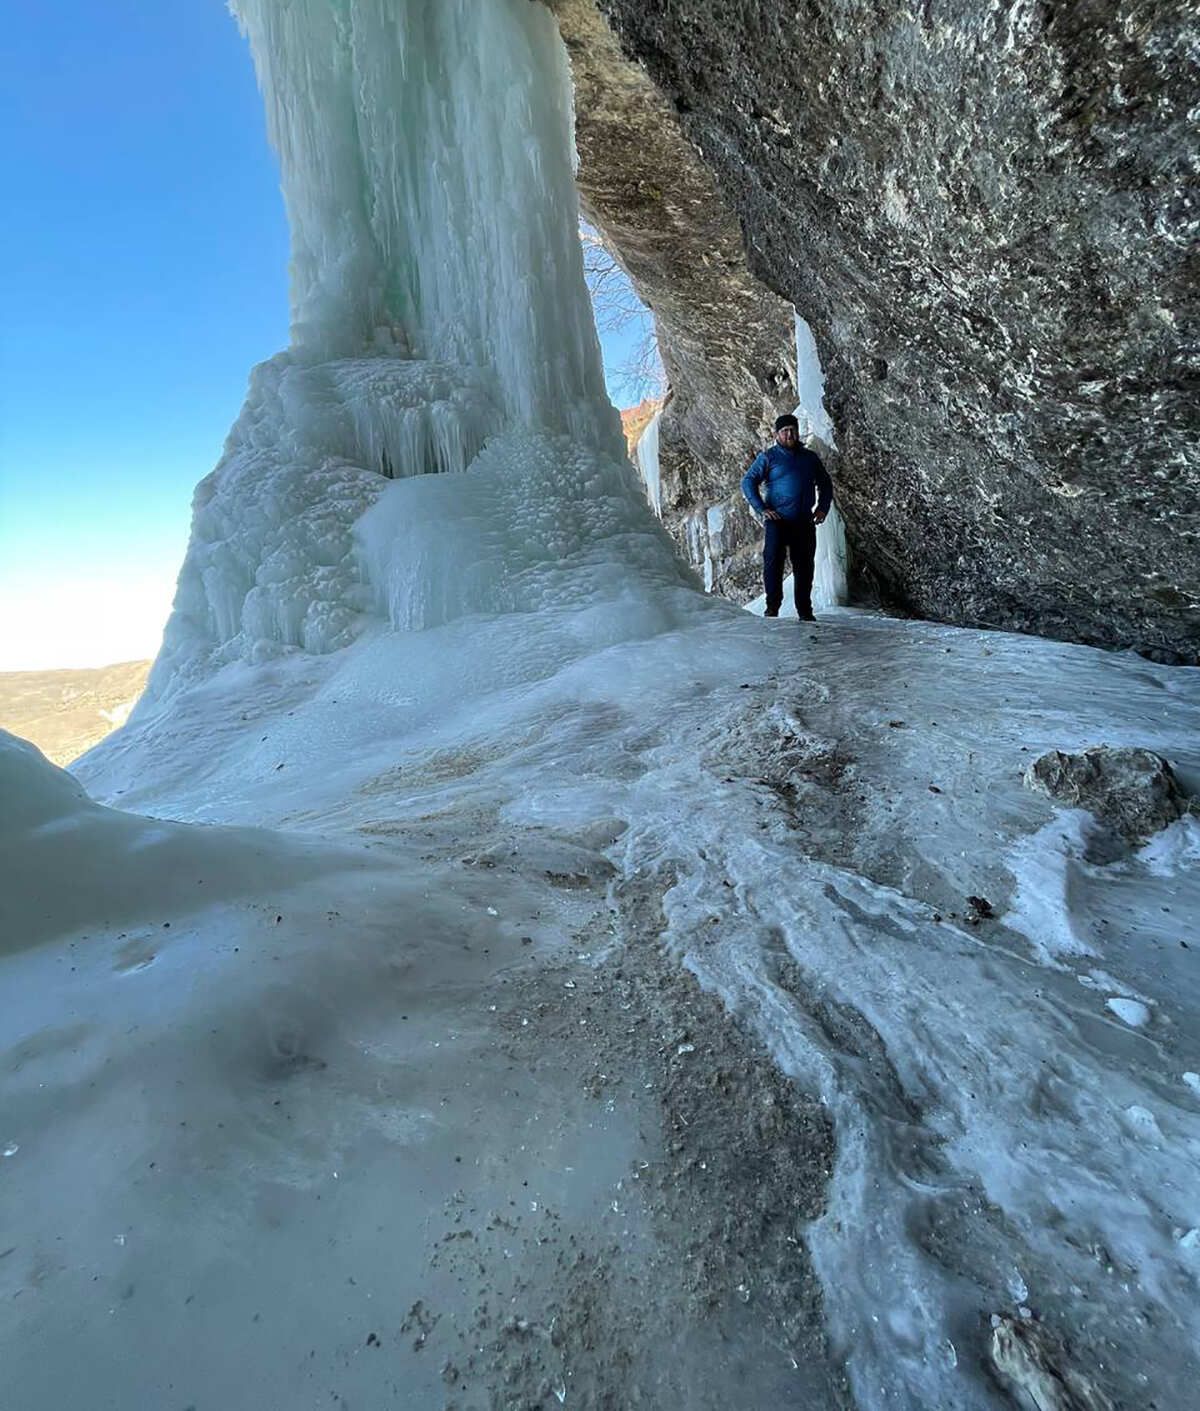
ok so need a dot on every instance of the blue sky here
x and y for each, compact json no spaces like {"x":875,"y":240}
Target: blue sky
{"x":143,"y":271}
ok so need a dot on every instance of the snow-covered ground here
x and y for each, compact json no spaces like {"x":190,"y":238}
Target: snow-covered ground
{"x":487,"y":972}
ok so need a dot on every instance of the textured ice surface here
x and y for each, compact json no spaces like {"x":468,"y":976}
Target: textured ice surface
{"x":426,"y":152}
{"x":252,"y":1081}
{"x":540,"y":521}
{"x":982,"y":1109}
{"x":998,"y":1126}
{"x":438,"y":304}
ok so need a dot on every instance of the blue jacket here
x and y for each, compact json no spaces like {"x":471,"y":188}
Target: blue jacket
{"x":787,"y":482}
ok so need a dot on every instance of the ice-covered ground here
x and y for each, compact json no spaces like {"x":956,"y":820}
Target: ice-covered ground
{"x":259,"y":1082}
{"x":489,"y":973}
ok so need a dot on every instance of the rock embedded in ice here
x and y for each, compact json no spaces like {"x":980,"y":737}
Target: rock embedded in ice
{"x":1132,"y":791}
{"x":980,"y":909}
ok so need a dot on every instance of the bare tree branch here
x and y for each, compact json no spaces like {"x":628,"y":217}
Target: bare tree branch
{"x":618,"y":310}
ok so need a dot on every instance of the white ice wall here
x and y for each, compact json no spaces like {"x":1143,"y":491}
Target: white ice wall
{"x":426,"y":152}
{"x":439,"y":304}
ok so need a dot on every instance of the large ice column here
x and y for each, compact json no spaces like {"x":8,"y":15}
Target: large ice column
{"x":439,"y":303}
{"x":426,"y":151}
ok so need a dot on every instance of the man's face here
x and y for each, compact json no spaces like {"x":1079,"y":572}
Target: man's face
{"x":788,"y":436}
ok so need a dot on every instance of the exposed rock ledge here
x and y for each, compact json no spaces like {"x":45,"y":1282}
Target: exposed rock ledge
{"x":983,"y":215}
{"x":728,"y":342}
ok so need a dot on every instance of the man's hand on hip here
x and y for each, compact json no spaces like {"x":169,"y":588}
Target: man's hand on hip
{"x":772,"y":514}
{"x":818,"y":516}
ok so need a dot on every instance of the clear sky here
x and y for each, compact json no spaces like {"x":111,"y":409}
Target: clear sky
{"x":143,"y":271}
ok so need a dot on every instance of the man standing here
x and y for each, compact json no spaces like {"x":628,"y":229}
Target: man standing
{"x":789,"y":488}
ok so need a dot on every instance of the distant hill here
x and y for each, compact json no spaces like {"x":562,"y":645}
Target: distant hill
{"x":634,"y":420}
{"x":67,"y":712}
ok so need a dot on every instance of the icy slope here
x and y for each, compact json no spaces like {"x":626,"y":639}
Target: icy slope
{"x":799,"y":818}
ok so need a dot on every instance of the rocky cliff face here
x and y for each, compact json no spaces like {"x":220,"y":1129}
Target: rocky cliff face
{"x":983,"y":213}
{"x":727,"y":341}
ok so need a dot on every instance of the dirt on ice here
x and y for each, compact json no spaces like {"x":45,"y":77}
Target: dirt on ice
{"x":727,"y":1025}
{"x":694,"y":1287}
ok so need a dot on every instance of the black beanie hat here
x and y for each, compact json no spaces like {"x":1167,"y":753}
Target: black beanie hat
{"x":787,"y":419}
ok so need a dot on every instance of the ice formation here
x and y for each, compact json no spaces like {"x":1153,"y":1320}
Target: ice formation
{"x":439,"y":307}
{"x":342,"y":1098}
{"x":829,"y":573}
{"x":426,"y":153}
{"x":647,"y":462}
{"x":810,"y":387}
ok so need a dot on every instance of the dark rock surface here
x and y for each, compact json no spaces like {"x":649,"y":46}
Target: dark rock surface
{"x":1134,"y":792}
{"x":984,"y":214}
{"x":728,"y":343}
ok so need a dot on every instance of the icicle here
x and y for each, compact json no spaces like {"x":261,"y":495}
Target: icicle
{"x":810,"y":387}
{"x":829,"y":573}
{"x":647,"y":463}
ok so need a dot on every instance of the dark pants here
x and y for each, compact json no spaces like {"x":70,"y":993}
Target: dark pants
{"x":797,"y":537}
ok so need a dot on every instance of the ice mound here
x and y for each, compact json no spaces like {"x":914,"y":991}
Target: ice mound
{"x":74,"y":866}
{"x":36,"y":793}
{"x":271,"y":562}
{"x":359,"y":487}
{"x":539,"y":521}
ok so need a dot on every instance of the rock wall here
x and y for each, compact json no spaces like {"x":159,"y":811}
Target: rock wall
{"x":984,"y":215}
{"x":727,"y":341}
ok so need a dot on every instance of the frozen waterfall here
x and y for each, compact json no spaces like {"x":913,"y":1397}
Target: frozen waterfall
{"x":427,"y":161}
{"x":439,"y":307}
{"x":648,"y":463}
